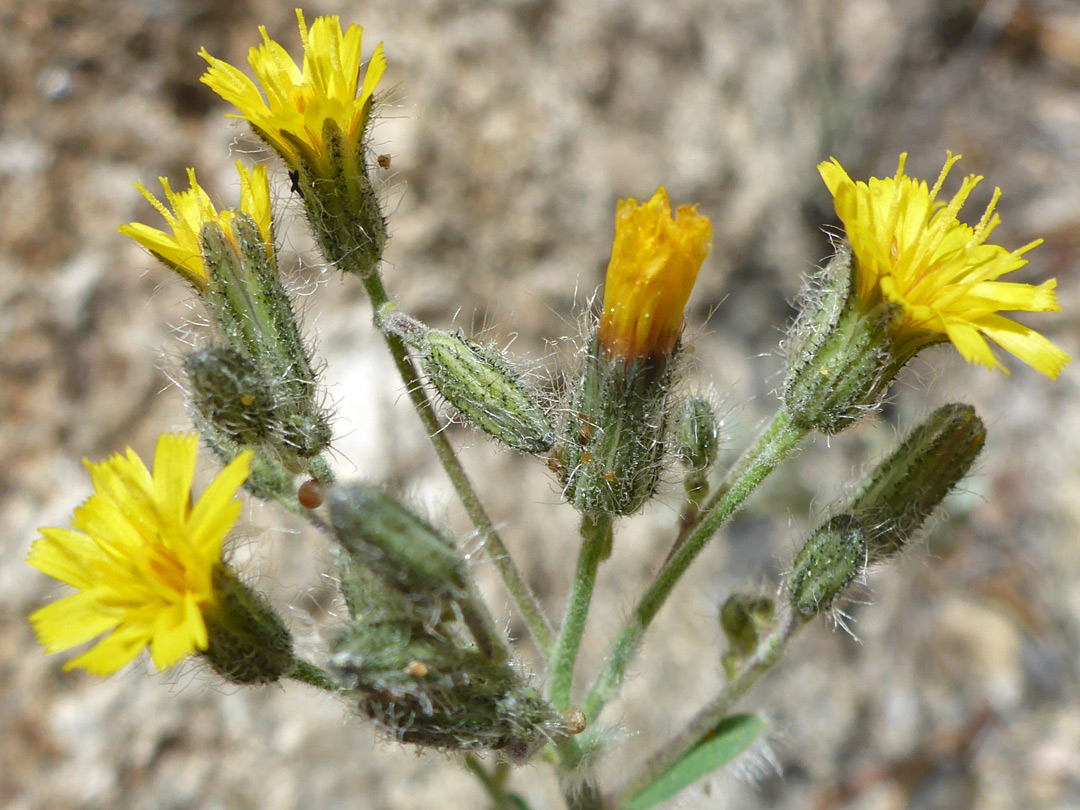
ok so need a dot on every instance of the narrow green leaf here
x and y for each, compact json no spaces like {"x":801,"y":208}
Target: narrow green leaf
{"x":517,"y":802}
{"x":733,"y":736}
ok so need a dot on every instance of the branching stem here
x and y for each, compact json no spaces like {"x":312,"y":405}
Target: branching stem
{"x":774,"y":445}
{"x":515,"y":583}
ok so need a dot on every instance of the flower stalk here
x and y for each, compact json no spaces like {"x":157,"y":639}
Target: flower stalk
{"x":533,"y":614}
{"x":596,"y":535}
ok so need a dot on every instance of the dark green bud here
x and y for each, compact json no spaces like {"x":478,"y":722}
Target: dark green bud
{"x":269,"y":479}
{"x":342,"y":206}
{"x":226,"y":389}
{"x":482,"y":385}
{"x":248,"y":642}
{"x":904,"y":489}
{"x":826,"y":565}
{"x":424,"y":688}
{"x":406,"y":554}
{"x":369,"y":598}
{"x":403,"y":549}
{"x":840,"y":361}
{"x":306,"y":432}
{"x":699,"y":435}
{"x":613,"y":451}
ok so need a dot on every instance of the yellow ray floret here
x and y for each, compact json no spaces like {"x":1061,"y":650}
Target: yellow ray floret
{"x":142,"y":558}
{"x":654,"y":263}
{"x":298,"y":100}
{"x":909,"y":249}
{"x":187,"y":211}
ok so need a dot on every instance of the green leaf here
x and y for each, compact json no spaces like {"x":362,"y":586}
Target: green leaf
{"x":732,"y":736}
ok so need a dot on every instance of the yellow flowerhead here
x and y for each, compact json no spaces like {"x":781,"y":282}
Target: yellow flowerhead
{"x":654,"y":263}
{"x":298,"y":100}
{"x":142,"y":557}
{"x":192,"y":209}
{"x":909,"y":249}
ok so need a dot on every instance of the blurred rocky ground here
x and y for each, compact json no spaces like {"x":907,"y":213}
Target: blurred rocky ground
{"x":513,"y":129}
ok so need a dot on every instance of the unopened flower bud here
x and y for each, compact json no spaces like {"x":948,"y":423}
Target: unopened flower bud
{"x":407,"y":552}
{"x":410,"y":556}
{"x":904,"y":489}
{"x":226,"y":390}
{"x":699,"y":435}
{"x":424,"y":688}
{"x":742,"y":618}
{"x":485,"y":388}
{"x":826,"y":565}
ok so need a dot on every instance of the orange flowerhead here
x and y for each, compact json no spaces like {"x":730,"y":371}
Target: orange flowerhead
{"x":654,"y":263}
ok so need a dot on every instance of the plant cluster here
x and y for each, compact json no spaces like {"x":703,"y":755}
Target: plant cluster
{"x":420,"y":654}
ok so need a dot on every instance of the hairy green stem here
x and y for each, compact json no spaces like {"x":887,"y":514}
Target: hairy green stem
{"x":584,"y":796}
{"x":515,"y":583}
{"x":595,"y":547}
{"x":696,"y":485}
{"x":768,"y":651}
{"x":313,"y":676}
{"x":774,"y":445}
{"x":490,"y":640}
{"x":491,"y":782}
{"x":574,"y":765}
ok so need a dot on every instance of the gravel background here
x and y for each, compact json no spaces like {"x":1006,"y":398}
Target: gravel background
{"x":513,"y":129}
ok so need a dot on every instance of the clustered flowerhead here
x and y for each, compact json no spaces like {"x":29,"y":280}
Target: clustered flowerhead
{"x":142,"y":555}
{"x":655,"y":260}
{"x":190,"y":211}
{"x":299,"y":101}
{"x":909,"y":249}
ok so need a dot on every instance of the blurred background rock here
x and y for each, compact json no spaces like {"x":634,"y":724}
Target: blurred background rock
{"x":513,"y":129}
